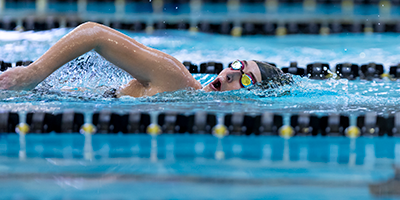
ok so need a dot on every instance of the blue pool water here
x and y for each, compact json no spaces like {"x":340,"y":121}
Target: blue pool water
{"x":188,"y":166}
{"x":94,"y":73}
{"x":201,"y":167}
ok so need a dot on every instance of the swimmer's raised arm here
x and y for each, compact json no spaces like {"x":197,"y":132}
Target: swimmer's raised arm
{"x":153,"y":70}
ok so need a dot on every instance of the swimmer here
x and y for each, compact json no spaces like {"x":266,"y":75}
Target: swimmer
{"x":153,"y":71}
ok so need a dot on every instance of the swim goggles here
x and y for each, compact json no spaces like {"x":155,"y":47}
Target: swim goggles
{"x":246,"y":80}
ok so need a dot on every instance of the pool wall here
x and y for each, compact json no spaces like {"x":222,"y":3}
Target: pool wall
{"x":234,"y":17}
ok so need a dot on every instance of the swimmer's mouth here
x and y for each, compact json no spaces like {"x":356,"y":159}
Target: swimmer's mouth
{"x":216,"y":85}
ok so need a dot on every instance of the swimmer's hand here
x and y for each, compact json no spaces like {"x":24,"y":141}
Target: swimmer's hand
{"x":18,"y":78}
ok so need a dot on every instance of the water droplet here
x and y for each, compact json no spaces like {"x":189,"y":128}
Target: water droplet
{"x":176,"y":8}
{"x":362,"y":55}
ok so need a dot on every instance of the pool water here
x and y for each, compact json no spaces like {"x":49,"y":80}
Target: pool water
{"x":315,"y":96}
{"x":199,"y":167}
{"x":187,"y":166}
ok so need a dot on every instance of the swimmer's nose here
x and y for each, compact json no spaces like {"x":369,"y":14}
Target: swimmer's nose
{"x":223,"y":79}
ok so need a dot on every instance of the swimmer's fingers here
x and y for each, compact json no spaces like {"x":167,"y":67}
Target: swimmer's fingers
{"x":18,"y":78}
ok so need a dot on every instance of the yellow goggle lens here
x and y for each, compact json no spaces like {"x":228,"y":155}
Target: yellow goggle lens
{"x":246,"y":80}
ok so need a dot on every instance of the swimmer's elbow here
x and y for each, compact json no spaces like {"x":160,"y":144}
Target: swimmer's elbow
{"x":88,"y":25}
{"x":92,"y":32}
{"x":92,"y":29}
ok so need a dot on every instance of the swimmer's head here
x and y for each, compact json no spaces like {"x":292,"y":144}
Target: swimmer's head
{"x":256,"y":71}
{"x":268,"y":71}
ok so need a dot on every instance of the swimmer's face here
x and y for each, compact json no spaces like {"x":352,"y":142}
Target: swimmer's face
{"x":229,"y":79}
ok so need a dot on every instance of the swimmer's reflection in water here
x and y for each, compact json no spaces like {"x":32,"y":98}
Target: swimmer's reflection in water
{"x":153,"y":71}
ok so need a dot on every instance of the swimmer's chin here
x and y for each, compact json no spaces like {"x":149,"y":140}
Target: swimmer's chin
{"x":210,"y":88}
{"x":206,"y":88}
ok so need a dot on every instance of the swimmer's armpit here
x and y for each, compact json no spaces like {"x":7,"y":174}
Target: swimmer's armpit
{"x":111,"y":93}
